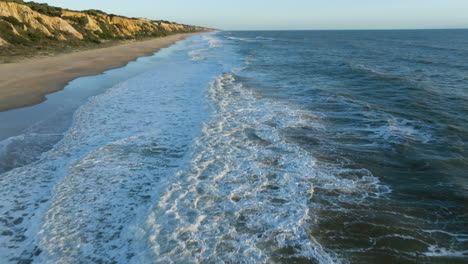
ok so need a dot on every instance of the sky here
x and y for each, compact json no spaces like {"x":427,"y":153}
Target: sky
{"x":289,"y":14}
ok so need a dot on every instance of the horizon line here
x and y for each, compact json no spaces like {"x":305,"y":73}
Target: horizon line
{"x":381,"y":29}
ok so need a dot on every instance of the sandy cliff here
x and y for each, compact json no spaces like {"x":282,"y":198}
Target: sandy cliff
{"x":21,"y":23}
{"x":28,"y":17}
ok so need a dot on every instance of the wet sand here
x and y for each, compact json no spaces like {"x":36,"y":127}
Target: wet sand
{"x":27,"y":82}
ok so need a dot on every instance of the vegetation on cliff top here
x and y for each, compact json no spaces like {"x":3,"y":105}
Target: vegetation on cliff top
{"x":40,"y":7}
{"x":30,"y":28}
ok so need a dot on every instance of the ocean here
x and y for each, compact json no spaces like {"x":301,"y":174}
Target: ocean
{"x":249,"y":147}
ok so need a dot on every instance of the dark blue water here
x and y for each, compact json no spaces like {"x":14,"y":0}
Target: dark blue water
{"x":392,"y":102}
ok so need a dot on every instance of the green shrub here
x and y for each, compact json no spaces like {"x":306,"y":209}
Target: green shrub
{"x":40,"y":7}
{"x":81,"y":21}
{"x":35,"y":35}
{"x":90,"y":37}
{"x":108,"y":31}
{"x":94,"y":12}
{"x":7,"y":34}
{"x":45,"y":9}
{"x":93,"y":39}
{"x":15,"y":1}
{"x":12,"y":20}
{"x":5,"y":28}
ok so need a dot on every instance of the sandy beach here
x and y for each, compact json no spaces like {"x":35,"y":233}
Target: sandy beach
{"x":27,"y":82}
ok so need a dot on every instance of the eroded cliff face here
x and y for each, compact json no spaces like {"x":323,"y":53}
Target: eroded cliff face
{"x":20,"y":24}
{"x":90,"y":24}
{"x":43,"y":23}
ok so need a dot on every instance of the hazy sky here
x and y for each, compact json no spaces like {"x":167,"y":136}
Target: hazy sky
{"x":289,"y":14}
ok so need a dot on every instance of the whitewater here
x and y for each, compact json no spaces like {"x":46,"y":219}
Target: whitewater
{"x":141,"y":178}
{"x":188,"y":162}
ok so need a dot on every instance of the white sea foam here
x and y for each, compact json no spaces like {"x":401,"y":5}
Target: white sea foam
{"x":214,"y":42}
{"x":78,"y":202}
{"x":402,"y":129}
{"x":24,"y":149}
{"x":245,"y":194}
{"x":380,"y":127}
{"x":435,"y":251}
{"x":139,"y":179}
{"x":197,"y":55}
{"x":256,"y":39}
{"x":200,"y":52}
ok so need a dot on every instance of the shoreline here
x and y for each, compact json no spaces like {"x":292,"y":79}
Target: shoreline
{"x":27,"y":82}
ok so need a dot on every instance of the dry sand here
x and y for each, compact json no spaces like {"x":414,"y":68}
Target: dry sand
{"x":27,"y":82}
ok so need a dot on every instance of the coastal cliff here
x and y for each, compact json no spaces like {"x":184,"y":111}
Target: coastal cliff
{"x":37,"y":26}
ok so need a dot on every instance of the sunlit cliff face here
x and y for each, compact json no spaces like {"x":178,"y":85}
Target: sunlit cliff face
{"x":79,"y":25}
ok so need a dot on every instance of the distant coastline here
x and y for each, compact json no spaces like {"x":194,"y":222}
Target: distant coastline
{"x":43,"y":47}
{"x":29,"y":29}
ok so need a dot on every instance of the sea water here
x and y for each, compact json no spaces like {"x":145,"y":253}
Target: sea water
{"x":258,"y":147}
